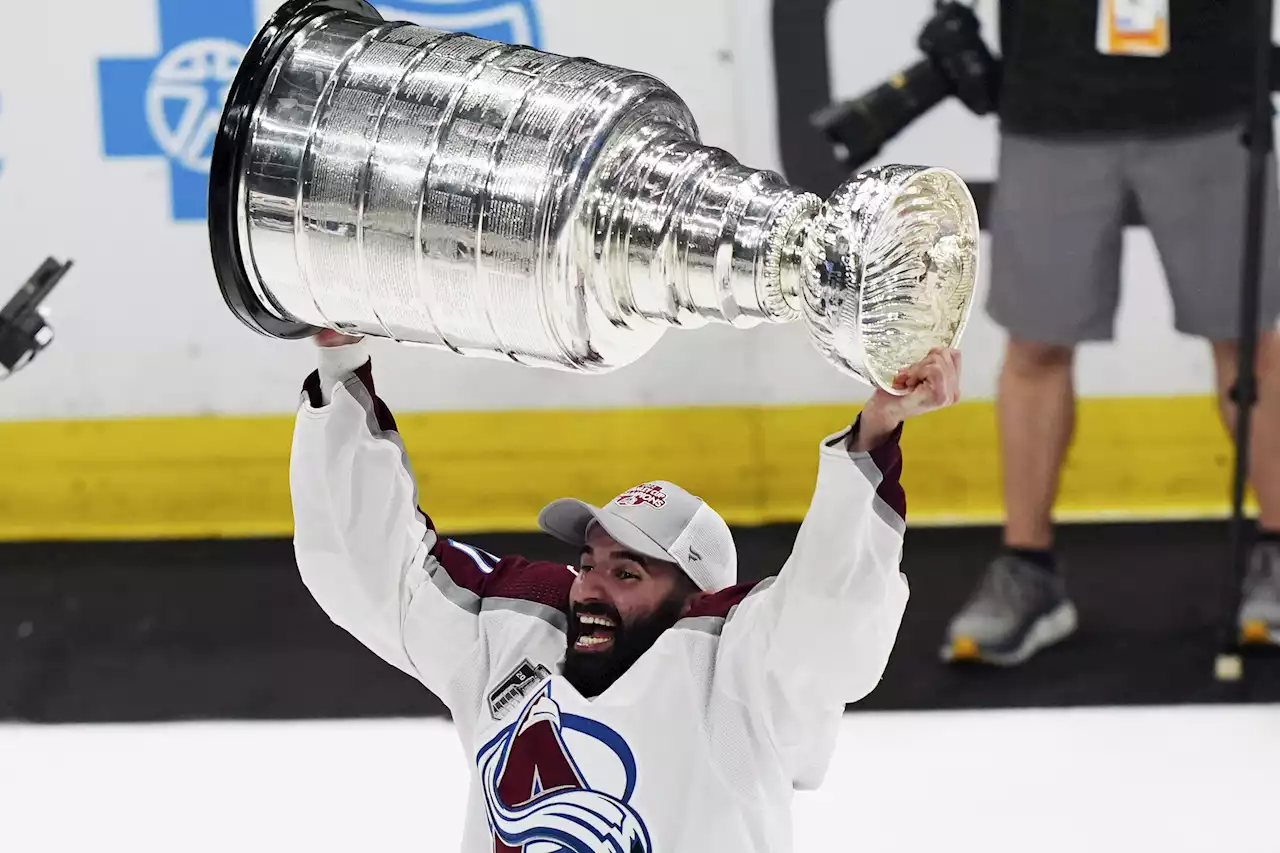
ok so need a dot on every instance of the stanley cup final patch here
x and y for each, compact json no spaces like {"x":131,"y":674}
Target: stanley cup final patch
{"x":516,"y":686}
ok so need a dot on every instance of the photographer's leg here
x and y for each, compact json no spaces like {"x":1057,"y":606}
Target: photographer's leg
{"x":1264,"y":446}
{"x":1056,"y":238}
{"x":1036,"y":409}
{"x":1021,"y":604}
{"x":1259,"y":615}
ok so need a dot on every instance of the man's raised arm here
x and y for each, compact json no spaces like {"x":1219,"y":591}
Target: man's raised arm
{"x":370,"y":557}
{"x":819,"y":635}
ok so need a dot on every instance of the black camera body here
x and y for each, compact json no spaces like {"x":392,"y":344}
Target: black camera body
{"x":957,"y":63}
{"x":23,"y":329}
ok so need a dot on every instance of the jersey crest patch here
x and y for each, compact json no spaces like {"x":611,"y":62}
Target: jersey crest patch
{"x":560,"y":783}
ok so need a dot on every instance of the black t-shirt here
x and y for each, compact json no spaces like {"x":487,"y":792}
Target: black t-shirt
{"x":1056,"y":83}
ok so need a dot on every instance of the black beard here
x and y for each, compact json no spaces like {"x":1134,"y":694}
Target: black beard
{"x":591,"y":673}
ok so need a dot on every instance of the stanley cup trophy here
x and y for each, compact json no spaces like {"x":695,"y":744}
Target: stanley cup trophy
{"x":435,"y":188}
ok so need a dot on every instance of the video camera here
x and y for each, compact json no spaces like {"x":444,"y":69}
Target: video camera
{"x":956,"y":62}
{"x":24,"y":331}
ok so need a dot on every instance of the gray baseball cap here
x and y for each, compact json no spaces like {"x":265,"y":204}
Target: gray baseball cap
{"x":659,"y":520}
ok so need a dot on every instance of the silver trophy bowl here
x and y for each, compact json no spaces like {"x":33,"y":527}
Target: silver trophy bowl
{"x":434,"y":188}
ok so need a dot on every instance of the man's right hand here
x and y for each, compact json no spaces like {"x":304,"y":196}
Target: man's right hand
{"x":330,"y":338}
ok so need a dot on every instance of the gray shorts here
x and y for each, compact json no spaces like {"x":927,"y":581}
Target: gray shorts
{"x":1058,"y":215}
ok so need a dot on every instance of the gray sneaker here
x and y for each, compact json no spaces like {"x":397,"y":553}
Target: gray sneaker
{"x":1259,"y":618}
{"x":1017,"y":610}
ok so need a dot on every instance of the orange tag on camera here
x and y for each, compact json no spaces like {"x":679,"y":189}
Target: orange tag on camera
{"x":1133,"y":27}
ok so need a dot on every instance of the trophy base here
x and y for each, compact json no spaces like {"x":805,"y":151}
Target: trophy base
{"x":234,"y":130}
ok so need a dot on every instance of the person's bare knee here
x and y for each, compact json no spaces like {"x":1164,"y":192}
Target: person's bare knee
{"x":1031,"y":359}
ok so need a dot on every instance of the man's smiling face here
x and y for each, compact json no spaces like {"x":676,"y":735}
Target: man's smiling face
{"x":619,"y":605}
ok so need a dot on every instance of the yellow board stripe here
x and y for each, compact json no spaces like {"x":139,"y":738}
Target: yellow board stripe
{"x":151,"y":478}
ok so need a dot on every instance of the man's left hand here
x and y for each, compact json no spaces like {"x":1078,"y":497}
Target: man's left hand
{"x":932,"y":383}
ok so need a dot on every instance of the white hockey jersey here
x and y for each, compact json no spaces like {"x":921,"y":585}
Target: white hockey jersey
{"x":699,"y":746}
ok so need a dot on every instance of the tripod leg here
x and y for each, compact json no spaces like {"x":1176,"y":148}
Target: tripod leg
{"x":1229,"y":665}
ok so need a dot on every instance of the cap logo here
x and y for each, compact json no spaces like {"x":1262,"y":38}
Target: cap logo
{"x":643,"y":494}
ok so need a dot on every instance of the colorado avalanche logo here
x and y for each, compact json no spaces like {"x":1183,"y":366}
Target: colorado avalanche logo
{"x":508,"y":21}
{"x":539,"y":800}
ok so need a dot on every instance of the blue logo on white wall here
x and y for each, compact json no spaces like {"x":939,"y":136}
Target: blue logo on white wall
{"x":169,"y":104}
{"x":509,"y":21}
